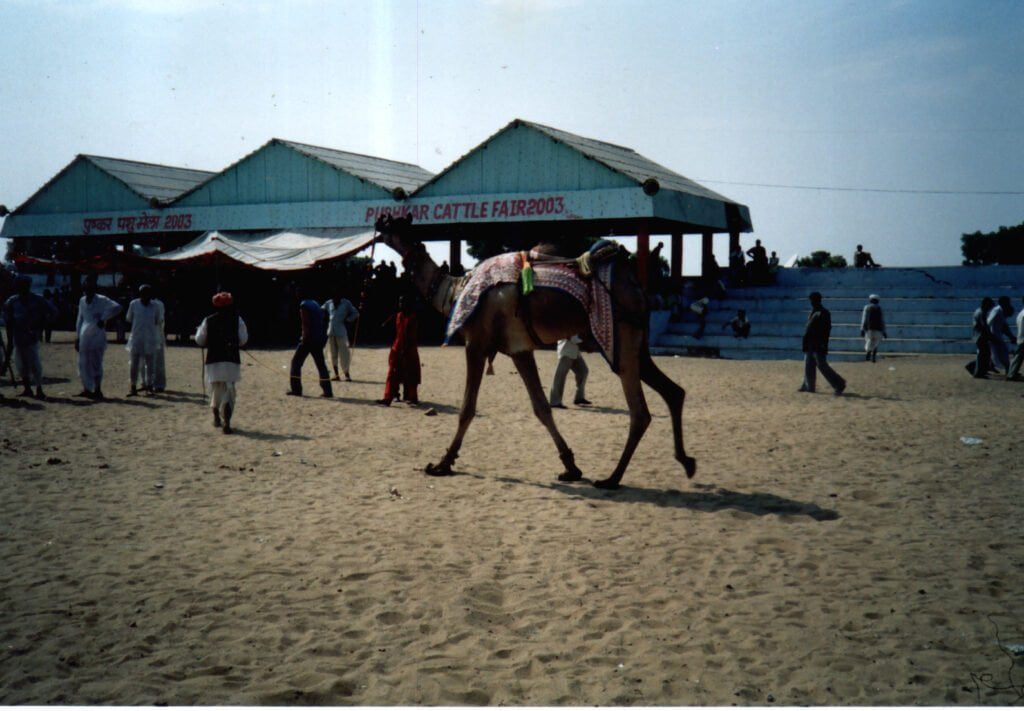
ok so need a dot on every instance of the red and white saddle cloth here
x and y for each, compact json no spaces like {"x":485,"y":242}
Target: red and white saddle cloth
{"x":593,"y":294}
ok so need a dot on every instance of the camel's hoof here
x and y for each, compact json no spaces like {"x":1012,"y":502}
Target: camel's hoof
{"x":606,"y":484}
{"x":442,"y":469}
{"x":690,"y":465}
{"x":575,"y":475}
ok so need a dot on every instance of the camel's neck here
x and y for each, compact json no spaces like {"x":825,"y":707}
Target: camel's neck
{"x":438,"y":288}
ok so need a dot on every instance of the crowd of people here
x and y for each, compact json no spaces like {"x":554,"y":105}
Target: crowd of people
{"x":222,"y":334}
{"x":30,"y":318}
{"x":993,"y":339}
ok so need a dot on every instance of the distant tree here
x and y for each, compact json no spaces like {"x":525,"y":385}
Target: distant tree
{"x":822,"y":260}
{"x":1005,"y":246}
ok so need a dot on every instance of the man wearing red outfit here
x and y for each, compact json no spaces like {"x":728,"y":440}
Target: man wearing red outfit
{"x":404,"y":358}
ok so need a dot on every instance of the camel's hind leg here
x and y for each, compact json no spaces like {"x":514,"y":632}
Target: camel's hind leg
{"x":674,"y":397}
{"x":475,"y":360}
{"x":527,"y":367}
{"x":639,"y":415}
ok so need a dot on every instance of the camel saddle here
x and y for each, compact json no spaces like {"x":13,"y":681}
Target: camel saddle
{"x":586,"y":278}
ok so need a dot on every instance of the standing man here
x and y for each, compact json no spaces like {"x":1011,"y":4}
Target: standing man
{"x":26,"y":315}
{"x":223,"y":333}
{"x":1014,"y":372}
{"x":997,"y":328}
{"x":340,"y":311}
{"x":700,"y":307}
{"x":872,"y":328}
{"x":758,"y":263}
{"x":145,"y":317}
{"x":979,"y":331}
{"x":311,"y":343}
{"x":569,"y":358}
{"x":159,"y":379}
{"x":737,"y":267}
{"x":94,"y":310}
{"x":52,"y":302}
{"x":815,"y":346}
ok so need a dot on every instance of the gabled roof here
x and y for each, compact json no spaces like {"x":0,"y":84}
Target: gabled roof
{"x":147,"y":180}
{"x":387,"y":174}
{"x":622,"y":160}
{"x":150,"y":180}
{"x":628,"y":162}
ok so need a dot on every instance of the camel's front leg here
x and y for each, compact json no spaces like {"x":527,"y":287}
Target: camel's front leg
{"x":639,"y":419}
{"x":527,"y":367}
{"x":474,"y":374}
{"x":674,"y":397}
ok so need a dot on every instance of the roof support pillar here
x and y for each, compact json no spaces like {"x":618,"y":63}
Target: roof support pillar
{"x":677,"y":257}
{"x":706,"y":250}
{"x":643,"y":251}
{"x":734,"y":241}
{"x":455,"y":256}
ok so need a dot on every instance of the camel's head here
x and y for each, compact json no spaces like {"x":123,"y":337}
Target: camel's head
{"x":394,"y":232}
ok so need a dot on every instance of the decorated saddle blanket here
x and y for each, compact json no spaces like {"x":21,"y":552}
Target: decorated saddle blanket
{"x":593,"y":294}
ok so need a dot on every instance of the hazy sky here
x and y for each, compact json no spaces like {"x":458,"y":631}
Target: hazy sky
{"x":886,"y":97}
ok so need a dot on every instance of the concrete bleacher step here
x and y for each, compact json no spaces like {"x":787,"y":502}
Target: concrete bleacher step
{"x":927,"y":311}
{"x":835,"y":356}
{"x":777,"y":316}
{"x":790,"y":343}
{"x":795,"y":329}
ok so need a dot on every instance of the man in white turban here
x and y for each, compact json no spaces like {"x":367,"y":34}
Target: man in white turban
{"x":872,"y":328}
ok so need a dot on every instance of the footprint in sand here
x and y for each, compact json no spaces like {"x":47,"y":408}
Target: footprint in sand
{"x":390,"y":618}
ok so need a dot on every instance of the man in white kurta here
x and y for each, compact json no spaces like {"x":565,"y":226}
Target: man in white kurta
{"x":872,"y":328}
{"x":998,"y":329}
{"x":224,"y":338}
{"x":1018,"y":357}
{"x":339,"y":312}
{"x":159,"y":380}
{"x":569,"y":358}
{"x":145,"y":317}
{"x":94,"y":310}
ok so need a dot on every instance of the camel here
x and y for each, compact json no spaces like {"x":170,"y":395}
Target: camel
{"x":509,"y":323}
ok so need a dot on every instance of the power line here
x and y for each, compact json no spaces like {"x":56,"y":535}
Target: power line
{"x":864,"y":190}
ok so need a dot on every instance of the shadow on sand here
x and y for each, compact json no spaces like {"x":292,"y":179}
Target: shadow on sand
{"x":179,"y":396}
{"x":268,"y":436}
{"x":423,"y":406}
{"x":856,"y":396}
{"x":86,"y":402}
{"x":19,"y":403}
{"x":710,"y":500}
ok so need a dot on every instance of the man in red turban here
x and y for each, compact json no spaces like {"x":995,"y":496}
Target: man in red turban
{"x":223,"y":333}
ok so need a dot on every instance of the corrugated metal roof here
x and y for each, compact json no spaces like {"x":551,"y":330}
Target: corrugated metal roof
{"x":151,"y":180}
{"x":388,"y":174}
{"x":627,"y":161}
{"x":620,"y":159}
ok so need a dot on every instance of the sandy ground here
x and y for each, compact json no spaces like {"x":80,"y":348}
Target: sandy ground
{"x":829,"y":551}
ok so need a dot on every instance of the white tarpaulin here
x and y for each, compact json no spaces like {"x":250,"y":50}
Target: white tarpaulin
{"x":284,"y":250}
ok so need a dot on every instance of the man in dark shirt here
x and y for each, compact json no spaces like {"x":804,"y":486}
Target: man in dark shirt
{"x":979,"y":331}
{"x":26,"y":315}
{"x":815,"y":347}
{"x":314,"y":337}
{"x":758,"y":263}
{"x":863,"y":260}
